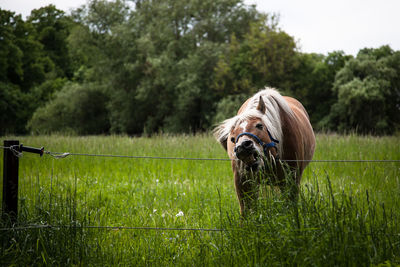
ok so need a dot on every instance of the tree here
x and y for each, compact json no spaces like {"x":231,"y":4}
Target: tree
{"x":157,"y":59}
{"x":10,"y":54}
{"x":12,"y":114}
{"x":368,"y":93}
{"x":33,"y":60}
{"x":52,"y":28}
{"x":312,"y":82}
{"x":265,"y":57}
{"x":21,"y":68}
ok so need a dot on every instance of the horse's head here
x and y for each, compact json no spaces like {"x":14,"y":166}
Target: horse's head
{"x":251,"y":141}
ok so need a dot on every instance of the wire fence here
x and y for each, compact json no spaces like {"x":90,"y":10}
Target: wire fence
{"x":47,"y":226}
{"x":61,"y":155}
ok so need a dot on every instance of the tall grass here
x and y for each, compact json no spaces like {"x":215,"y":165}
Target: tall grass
{"x":347,"y":213}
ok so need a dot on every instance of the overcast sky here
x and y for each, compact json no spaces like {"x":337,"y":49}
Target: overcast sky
{"x":317,"y":25}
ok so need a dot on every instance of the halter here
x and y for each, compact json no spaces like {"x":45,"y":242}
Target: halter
{"x":265,"y":146}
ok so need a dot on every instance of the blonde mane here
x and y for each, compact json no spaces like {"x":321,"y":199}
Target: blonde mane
{"x":274,"y":103}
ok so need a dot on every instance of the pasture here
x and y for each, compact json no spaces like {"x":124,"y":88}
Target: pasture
{"x":347,"y":213}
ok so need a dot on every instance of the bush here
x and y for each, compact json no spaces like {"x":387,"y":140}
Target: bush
{"x":12,"y":115}
{"x":76,"y":109}
{"x":368,"y":93}
{"x":228,"y":107}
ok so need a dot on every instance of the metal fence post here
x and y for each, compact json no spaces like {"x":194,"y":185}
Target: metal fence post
{"x":10,"y":182}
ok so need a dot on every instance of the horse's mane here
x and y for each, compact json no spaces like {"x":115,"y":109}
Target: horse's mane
{"x":274,"y":103}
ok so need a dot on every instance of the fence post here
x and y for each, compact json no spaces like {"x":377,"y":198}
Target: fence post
{"x":10,"y":182}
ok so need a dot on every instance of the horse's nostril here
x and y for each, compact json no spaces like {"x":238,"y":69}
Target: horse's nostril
{"x":247,"y":144}
{"x":244,"y":150}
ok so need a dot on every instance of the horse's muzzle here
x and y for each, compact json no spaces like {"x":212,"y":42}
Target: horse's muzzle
{"x":246,"y":152}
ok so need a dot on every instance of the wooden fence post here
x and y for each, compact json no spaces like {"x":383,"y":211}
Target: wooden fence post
{"x":10,"y":182}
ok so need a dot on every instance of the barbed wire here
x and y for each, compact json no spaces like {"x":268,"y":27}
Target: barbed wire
{"x":61,"y":155}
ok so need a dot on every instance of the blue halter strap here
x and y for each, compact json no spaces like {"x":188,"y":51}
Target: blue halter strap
{"x":264,"y":145}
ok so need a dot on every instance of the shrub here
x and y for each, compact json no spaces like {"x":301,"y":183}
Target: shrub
{"x":76,"y":109}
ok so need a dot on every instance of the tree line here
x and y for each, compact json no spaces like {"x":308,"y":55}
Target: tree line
{"x":149,"y":66}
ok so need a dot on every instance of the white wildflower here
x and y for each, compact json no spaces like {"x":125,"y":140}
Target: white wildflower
{"x":180,"y":214}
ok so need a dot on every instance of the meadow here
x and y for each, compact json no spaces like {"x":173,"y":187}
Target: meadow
{"x":347,"y":214}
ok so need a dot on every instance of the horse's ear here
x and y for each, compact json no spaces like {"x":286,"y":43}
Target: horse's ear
{"x":221,"y":135}
{"x":261,"y":105}
{"x":224,"y":143}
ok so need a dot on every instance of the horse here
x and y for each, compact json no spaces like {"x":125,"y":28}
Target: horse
{"x":269,"y":135}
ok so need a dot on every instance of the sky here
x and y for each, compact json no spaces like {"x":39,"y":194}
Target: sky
{"x":318,"y":26}
{"x":323,"y":26}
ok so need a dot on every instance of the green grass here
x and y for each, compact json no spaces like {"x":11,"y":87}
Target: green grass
{"x":347,"y":213}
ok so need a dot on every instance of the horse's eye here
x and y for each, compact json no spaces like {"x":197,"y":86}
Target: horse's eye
{"x":233,"y":139}
{"x":259,"y":126}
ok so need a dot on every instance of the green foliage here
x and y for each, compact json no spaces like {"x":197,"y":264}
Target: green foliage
{"x":312,"y":83}
{"x":52,"y":27}
{"x":23,"y":61}
{"x":43,"y":93}
{"x":163,"y":68}
{"x":34,"y":60}
{"x":10,"y":54}
{"x":170,"y":66}
{"x":12,"y":102}
{"x":368,"y":92}
{"x":228,"y":107}
{"x":76,"y":109}
{"x":265,"y":57}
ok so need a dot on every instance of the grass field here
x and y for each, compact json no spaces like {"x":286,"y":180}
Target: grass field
{"x":348,"y":214}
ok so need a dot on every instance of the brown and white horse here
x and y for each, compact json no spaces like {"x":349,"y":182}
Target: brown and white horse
{"x":268,"y":127}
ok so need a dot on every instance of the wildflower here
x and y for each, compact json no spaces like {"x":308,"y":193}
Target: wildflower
{"x":180,"y":214}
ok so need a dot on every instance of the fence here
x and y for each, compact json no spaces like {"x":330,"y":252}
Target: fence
{"x":13,"y":151}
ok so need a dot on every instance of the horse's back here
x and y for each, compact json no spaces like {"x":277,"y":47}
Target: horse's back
{"x":303,"y":123}
{"x":243,"y":107}
{"x":296,"y":106}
